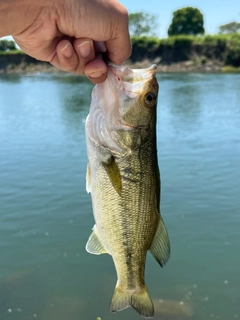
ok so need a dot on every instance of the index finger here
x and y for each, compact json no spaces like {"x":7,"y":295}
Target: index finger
{"x":118,"y":50}
{"x":119,"y":46}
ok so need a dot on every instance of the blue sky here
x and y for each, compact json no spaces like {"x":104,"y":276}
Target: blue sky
{"x":215,"y":12}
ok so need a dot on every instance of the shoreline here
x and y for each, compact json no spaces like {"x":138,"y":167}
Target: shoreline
{"x":179,"y":67}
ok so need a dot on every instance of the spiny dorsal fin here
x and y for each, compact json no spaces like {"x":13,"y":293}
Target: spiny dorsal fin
{"x":113,"y":174}
{"x":94,"y":244}
{"x":160,"y":247}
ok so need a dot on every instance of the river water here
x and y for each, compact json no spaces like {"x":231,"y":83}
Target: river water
{"x":46,"y":216}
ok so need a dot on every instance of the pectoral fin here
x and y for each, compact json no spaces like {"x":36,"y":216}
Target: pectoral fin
{"x":94,"y":244}
{"x":113,"y":174}
{"x":160,"y":247}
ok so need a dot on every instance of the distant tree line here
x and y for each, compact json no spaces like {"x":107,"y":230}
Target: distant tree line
{"x":186,"y":38}
{"x":185,"y":21}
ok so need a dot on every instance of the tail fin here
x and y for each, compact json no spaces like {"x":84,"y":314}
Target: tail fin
{"x":139,"y":300}
{"x":142,"y":303}
{"x":120,"y":300}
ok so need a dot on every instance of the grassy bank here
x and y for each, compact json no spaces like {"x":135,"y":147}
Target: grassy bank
{"x":10,"y":52}
{"x":210,"y":53}
{"x":223,"y":48}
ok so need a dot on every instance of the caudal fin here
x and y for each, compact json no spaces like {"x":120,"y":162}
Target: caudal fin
{"x":139,"y":300}
{"x":142,"y":303}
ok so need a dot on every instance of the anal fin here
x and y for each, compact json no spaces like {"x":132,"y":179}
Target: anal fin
{"x":160,"y":247}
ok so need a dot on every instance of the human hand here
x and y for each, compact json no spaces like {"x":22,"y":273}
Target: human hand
{"x":72,"y":34}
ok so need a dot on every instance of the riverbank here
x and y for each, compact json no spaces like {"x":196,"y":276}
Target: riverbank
{"x":209,"y":53}
{"x":184,"y":66}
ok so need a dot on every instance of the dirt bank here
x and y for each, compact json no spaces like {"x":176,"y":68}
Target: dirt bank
{"x":185,"y":66}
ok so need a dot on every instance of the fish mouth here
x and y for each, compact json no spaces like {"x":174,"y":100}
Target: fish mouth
{"x":132,"y":80}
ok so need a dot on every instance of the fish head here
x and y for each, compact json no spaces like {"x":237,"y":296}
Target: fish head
{"x":123,"y":108}
{"x":137,"y":90}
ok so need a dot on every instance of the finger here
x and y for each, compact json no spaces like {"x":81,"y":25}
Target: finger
{"x":119,"y":46}
{"x":84,"y":49}
{"x":99,"y":46}
{"x":114,"y":54}
{"x":96,"y":70}
{"x":66,"y":58}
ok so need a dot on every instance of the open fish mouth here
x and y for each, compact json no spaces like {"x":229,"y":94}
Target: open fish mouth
{"x":132,"y":79}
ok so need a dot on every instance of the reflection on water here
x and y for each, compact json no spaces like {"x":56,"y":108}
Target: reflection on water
{"x":46,"y":215}
{"x":184,"y":103}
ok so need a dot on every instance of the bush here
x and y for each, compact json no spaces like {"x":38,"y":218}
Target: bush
{"x":222,"y":47}
{"x":145,"y":42}
{"x":233,"y":51}
{"x":6,"y":45}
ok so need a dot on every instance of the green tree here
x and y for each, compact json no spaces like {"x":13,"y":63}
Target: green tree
{"x":186,"y":20}
{"x":6,"y":45}
{"x":230,"y":27}
{"x":141,"y":23}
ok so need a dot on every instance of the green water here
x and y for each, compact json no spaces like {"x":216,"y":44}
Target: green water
{"x":46,"y":216}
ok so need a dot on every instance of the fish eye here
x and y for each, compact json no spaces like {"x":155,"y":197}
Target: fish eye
{"x":150,"y":98}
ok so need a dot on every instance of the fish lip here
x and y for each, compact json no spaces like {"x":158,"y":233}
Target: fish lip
{"x":131,"y":81}
{"x":127,"y":75}
{"x":122,"y":68}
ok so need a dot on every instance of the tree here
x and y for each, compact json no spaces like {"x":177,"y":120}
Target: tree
{"x":141,"y":23}
{"x":6,"y":45}
{"x":230,"y":27}
{"x":188,"y":21}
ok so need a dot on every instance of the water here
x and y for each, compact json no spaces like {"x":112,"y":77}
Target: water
{"x":46,"y":216}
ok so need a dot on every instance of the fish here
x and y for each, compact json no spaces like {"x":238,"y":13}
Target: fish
{"x":124,"y":181}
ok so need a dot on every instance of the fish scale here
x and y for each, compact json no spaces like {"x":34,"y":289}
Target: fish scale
{"x":124,"y":181}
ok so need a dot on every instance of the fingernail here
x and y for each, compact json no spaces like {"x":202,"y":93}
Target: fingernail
{"x":95,"y":75}
{"x":67,"y":51}
{"x":85,"y":49}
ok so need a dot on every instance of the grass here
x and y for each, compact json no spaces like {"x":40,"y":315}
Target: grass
{"x":223,"y":47}
{"x":231,"y":69}
{"x":9,"y":52}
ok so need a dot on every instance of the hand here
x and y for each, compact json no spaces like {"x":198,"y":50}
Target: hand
{"x":72,"y":34}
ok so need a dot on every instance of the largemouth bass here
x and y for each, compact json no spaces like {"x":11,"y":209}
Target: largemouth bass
{"x":124,"y":181}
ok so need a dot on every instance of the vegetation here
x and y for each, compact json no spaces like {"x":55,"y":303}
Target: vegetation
{"x":230,"y":69}
{"x":229,"y":28}
{"x":6,"y":45}
{"x":145,"y":42}
{"x":187,"y":21}
{"x":10,"y":52}
{"x":142,"y":24}
{"x":222,"y":47}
